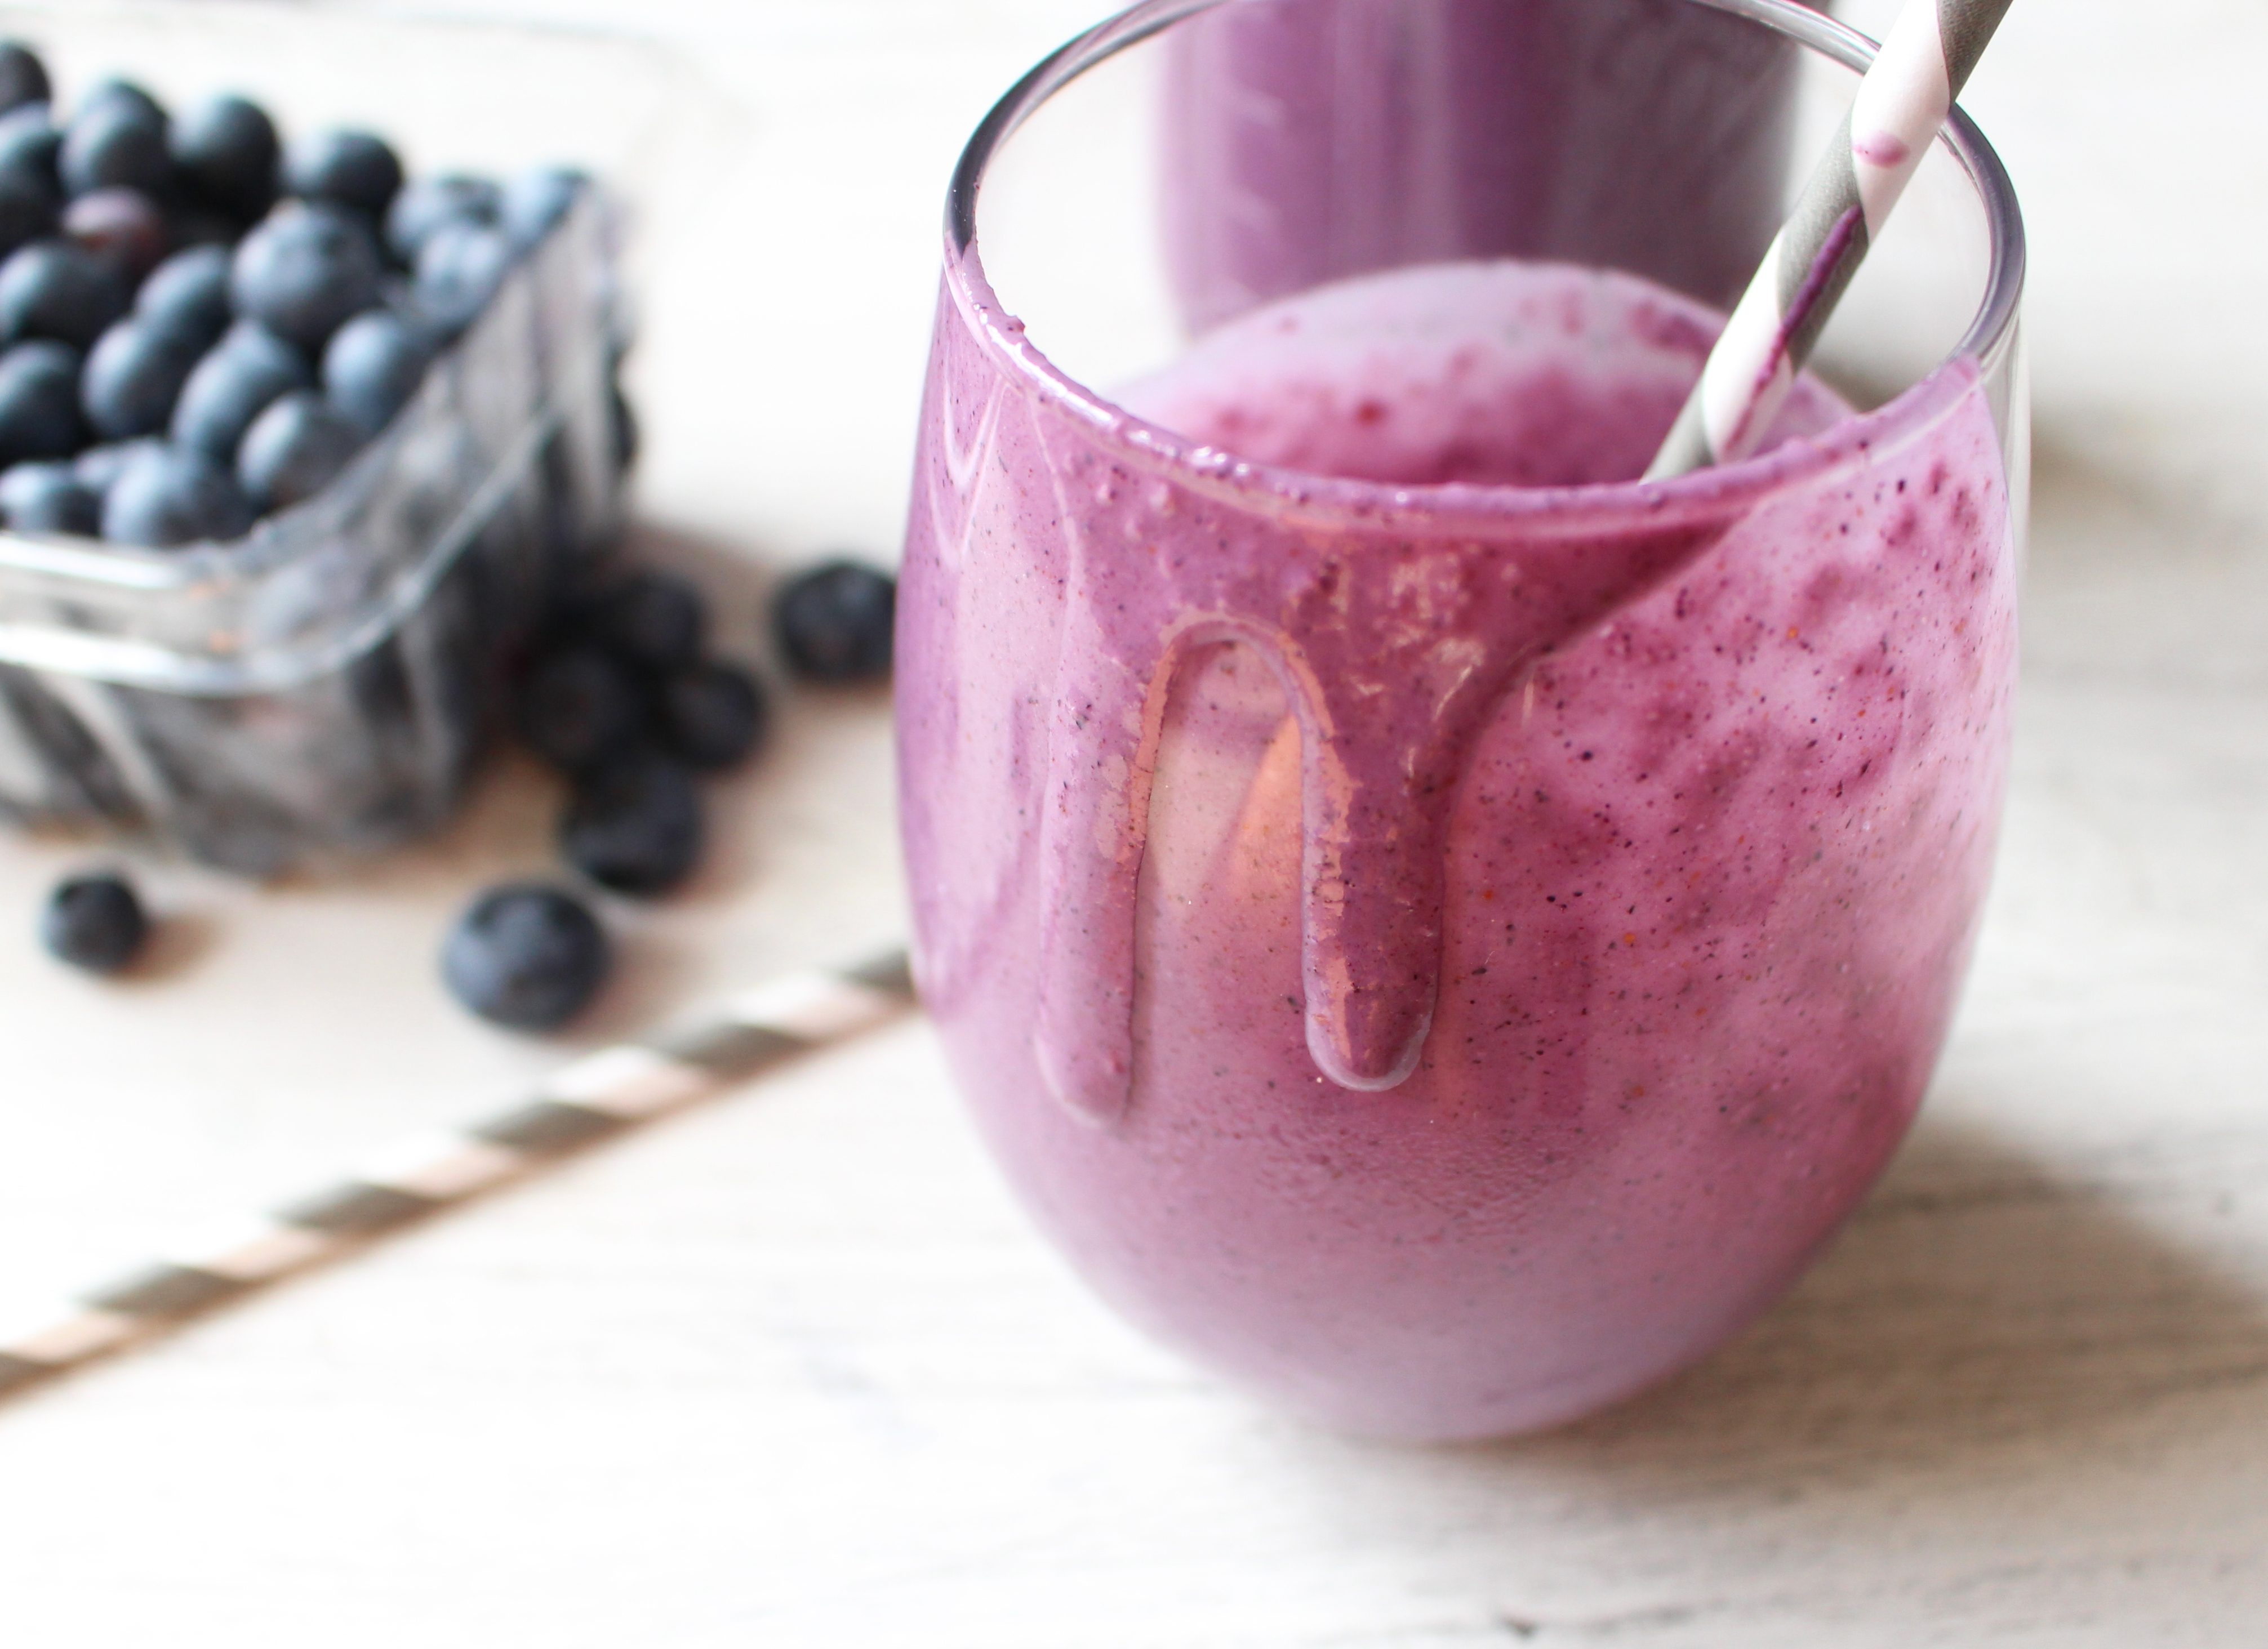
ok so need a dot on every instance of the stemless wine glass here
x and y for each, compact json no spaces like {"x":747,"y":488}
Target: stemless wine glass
{"x":1436,"y":928}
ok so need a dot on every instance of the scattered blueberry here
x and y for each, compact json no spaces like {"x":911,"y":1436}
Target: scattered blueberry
{"x":633,"y":824}
{"x":234,"y":384}
{"x":114,"y":142}
{"x":372,"y":366}
{"x":225,"y":152}
{"x":352,"y":169}
{"x":27,"y":211}
{"x":524,"y":955}
{"x":52,"y":289}
{"x":578,"y":706}
{"x":187,"y":295}
{"x":39,"y":401}
{"x":30,"y":141}
{"x":166,"y":496}
{"x":47,"y":496}
{"x":426,"y":203}
{"x":711,"y":716}
{"x":459,"y":269}
{"x":833,"y":623}
{"x":534,"y":201}
{"x":305,"y":270}
{"x":123,"y":227}
{"x":293,"y":449}
{"x":23,"y":77}
{"x":95,"y":922}
{"x":132,"y":377}
{"x":653,"y":620}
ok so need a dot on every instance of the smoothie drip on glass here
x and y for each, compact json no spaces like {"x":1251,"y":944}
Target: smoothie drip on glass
{"x":1392,"y":655}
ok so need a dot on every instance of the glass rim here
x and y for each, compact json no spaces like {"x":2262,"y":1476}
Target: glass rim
{"x":1443,"y":506}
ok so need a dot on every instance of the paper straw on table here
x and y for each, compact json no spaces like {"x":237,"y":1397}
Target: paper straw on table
{"x":1902,"y":101}
{"x":596,"y":1097}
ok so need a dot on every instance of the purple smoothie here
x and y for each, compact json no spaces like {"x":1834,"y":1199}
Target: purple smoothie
{"x":1438,"y":931}
{"x":1305,"y":140}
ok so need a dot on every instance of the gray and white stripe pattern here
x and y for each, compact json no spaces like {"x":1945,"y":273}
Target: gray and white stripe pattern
{"x":1902,"y":101}
{"x":595,"y":1098}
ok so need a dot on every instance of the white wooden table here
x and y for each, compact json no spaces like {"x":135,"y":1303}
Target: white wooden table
{"x":791,"y":1370}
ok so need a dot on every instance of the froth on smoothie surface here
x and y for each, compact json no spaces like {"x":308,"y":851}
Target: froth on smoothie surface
{"x":1501,"y":373}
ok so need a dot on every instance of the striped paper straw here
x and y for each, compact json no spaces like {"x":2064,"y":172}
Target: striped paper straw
{"x":1902,"y":100}
{"x":599,"y":1096}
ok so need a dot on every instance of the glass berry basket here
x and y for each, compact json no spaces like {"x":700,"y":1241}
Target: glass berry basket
{"x":322,"y":686}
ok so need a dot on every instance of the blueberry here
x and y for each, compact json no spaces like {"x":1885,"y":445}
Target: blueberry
{"x":372,"y":366}
{"x":30,"y":142}
{"x":234,"y":385}
{"x":534,"y":201}
{"x":424,"y":205}
{"x":98,"y":466}
{"x":294,"y":449}
{"x":20,"y":482}
{"x":95,"y":922}
{"x":576,"y":707}
{"x":133,"y":376}
{"x":711,"y":715}
{"x":833,"y":623}
{"x":166,"y":496}
{"x":225,"y":152}
{"x":653,"y":620}
{"x":633,"y":824}
{"x":48,"y":496}
{"x":524,"y":955}
{"x":27,"y":212}
{"x":52,"y":289}
{"x":352,"y":169}
{"x":123,"y":227}
{"x":113,"y":143}
{"x":39,"y":401}
{"x":23,"y":77}
{"x":125,"y":93}
{"x":305,"y":270}
{"x":187,"y":295}
{"x":459,"y":269}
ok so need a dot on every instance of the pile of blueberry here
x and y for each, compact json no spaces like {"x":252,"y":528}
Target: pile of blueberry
{"x":621,"y":697}
{"x":198,"y":325}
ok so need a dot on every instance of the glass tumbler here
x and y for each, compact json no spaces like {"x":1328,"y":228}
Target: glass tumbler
{"x":1436,"y":928}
